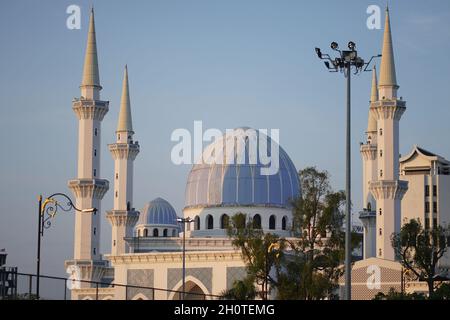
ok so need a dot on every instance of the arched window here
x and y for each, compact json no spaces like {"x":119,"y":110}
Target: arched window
{"x":209,"y":222}
{"x":380,"y":232}
{"x":145,"y":232}
{"x":369,"y":206}
{"x":197,"y":223}
{"x":174,"y":233}
{"x":381,"y":212}
{"x":165,"y":233}
{"x":257,"y":221}
{"x":155,"y":232}
{"x":139,"y":233}
{"x":284,"y":223}
{"x":224,"y":221}
{"x":272,"y":221}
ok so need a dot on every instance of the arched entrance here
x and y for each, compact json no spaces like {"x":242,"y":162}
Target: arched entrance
{"x":194,"y":292}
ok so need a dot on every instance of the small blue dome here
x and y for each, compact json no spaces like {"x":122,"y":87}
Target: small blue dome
{"x":158,"y":212}
{"x":235,"y":183}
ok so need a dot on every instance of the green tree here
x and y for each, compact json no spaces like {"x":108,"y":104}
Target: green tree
{"x":254,"y":245}
{"x":313,"y":265}
{"x":242,"y":290}
{"x":420,"y":249}
{"x":442,"y":292}
{"x":394,"y":295}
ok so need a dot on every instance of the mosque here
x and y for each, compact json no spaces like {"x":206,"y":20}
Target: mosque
{"x":146,"y":245}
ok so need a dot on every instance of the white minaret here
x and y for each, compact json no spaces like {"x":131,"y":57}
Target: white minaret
{"x":88,"y":188}
{"x":369,"y":157}
{"x":123,"y":217}
{"x":388,"y":190}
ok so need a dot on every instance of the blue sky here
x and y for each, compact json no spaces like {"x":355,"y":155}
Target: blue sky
{"x":228,"y":63}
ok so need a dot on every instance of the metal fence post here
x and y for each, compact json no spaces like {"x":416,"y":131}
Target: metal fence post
{"x":30,"y":286}
{"x":65,"y":290}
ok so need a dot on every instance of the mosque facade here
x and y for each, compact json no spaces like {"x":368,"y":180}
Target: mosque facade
{"x":147,"y":244}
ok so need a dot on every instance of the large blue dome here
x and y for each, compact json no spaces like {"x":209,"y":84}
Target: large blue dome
{"x":234,"y":183}
{"x":158,"y":212}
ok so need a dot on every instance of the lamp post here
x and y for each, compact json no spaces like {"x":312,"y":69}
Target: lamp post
{"x":184,"y":221}
{"x":47,"y":210}
{"x":345,"y":60}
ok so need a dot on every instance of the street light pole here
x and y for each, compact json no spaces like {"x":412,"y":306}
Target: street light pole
{"x":38,"y":259}
{"x":47,"y":210}
{"x":344,"y":63}
{"x":348,"y":227}
{"x":184,"y":261}
{"x":184,"y":221}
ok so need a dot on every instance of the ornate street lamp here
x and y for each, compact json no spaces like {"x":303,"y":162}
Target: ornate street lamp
{"x":344,"y":62}
{"x":47,"y":210}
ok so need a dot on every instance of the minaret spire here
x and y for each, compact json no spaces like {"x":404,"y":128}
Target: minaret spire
{"x":374,"y":91}
{"x":369,"y":153}
{"x":372,"y":124}
{"x":386,"y":188}
{"x":90,"y":83}
{"x":125,"y":123}
{"x":388,"y":79}
{"x":123,"y":217}
{"x":88,"y":187}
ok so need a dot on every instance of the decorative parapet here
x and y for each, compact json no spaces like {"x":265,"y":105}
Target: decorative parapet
{"x":89,"y":188}
{"x":122,"y":217}
{"x":388,"y":189}
{"x":388,"y":109}
{"x":124,"y":150}
{"x":165,"y":257}
{"x":90,"y":109}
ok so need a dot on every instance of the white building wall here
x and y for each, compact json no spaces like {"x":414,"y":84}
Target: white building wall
{"x":161,"y":262}
{"x":413,"y":203}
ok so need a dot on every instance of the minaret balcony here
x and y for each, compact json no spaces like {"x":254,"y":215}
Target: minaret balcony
{"x":90,"y":270}
{"x":368,"y":151}
{"x":388,"y":109}
{"x":126,"y":218}
{"x":367,"y":214}
{"x":388,"y":189}
{"x":89,"y":188}
{"x":124,"y":150}
{"x":90,"y":109}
